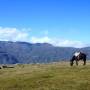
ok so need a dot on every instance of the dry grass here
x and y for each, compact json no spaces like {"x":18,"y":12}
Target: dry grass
{"x":53,"y":76}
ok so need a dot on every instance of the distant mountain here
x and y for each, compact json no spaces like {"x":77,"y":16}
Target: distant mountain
{"x":23,"y":52}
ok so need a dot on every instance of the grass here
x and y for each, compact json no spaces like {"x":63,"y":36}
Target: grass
{"x":54,"y":76}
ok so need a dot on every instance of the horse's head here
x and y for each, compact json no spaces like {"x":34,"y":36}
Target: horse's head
{"x":71,"y":60}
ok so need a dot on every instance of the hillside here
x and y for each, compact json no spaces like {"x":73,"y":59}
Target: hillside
{"x":23,"y":52}
{"x":53,"y":76}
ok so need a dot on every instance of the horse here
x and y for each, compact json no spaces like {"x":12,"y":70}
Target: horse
{"x":78,"y":56}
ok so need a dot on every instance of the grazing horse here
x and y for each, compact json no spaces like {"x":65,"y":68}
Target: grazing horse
{"x":78,"y":56}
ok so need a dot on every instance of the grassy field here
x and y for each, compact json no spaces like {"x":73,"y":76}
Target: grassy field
{"x":54,"y":76}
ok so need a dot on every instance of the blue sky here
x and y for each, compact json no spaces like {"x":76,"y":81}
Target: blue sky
{"x":59,"y":22}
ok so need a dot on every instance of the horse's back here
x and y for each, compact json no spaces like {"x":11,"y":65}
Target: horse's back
{"x":82,"y":56}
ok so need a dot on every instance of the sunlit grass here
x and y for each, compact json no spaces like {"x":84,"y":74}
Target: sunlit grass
{"x":54,"y":76}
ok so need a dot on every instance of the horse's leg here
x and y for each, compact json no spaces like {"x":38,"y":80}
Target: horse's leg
{"x":71,"y":62}
{"x":84,"y":62}
{"x":77,"y":62}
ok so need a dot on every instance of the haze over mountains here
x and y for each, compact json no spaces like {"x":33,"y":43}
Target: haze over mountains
{"x":23,"y":52}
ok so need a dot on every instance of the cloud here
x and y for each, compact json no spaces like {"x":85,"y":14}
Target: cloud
{"x":69,"y":43}
{"x":14,"y":34}
{"x":58,"y":42}
{"x":40,"y":40}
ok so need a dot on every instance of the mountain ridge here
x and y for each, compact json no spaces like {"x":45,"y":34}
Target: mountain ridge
{"x":24,"y":52}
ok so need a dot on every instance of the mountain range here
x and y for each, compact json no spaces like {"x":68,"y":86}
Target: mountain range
{"x":24,"y":52}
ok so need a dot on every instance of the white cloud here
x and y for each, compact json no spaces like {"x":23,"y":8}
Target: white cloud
{"x":57,"y":42}
{"x":69,"y":43}
{"x":14,"y":34}
{"x":40,"y":40}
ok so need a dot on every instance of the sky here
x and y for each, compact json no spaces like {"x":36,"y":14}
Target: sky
{"x":59,"y":22}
